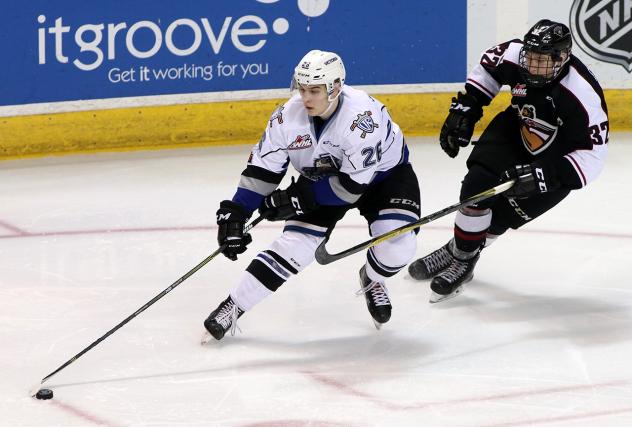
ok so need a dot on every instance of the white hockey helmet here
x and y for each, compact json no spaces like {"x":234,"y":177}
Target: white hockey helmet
{"x":317,"y":68}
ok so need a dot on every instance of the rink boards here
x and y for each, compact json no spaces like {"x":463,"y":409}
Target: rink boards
{"x":219,"y":123}
{"x":216,"y":123}
{"x":154,"y":75}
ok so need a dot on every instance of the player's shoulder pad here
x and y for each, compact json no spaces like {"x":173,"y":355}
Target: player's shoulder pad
{"x":508,"y":52}
{"x":360,"y":119}
{"x":582,"y":88}
{"x":289,"y":109}
{"x":513,"y":50}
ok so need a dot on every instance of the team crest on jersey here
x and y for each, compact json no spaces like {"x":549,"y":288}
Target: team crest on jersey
{"x":277,"y":116}
{"x":519,"y":90}
{"x":536,"y":134}
{"x":301,"y":142}
{"x":602,"y":29}
{"x":365,"y":123}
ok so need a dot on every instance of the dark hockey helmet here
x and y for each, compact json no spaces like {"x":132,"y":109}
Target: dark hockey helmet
{"x":546,"y":49}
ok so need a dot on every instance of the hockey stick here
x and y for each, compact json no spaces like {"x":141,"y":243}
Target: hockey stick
{"x":247,"y":228}
{"x":324,"y":257}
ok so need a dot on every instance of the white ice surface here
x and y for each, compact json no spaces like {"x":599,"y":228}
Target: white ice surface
{"x":542,"y":335}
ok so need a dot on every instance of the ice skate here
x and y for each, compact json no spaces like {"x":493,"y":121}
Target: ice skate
{"x":377,"y":300}
{"x":451,"y":281}
{"x":221,"y":320}
{"x":432,"y":264}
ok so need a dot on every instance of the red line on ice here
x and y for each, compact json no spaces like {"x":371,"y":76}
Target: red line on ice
{"x":19,"y":232}
{"x":82,"y":414}
{"x":346,"y":389}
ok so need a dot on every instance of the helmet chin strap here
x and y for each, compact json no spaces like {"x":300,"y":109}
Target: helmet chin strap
{"x":332,"y":105}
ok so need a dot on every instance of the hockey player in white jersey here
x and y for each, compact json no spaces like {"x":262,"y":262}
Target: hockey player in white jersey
{"x":552,"y":139}
{"x":349,"y":154}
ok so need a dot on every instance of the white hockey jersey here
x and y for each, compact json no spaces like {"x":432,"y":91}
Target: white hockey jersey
{"x":356,"y":147}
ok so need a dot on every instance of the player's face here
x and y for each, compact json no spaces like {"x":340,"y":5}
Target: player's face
{"x":315,"y":99}
{"x":540,"y":64}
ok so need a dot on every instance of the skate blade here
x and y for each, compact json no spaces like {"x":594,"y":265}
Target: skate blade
{"x":378,"y":325}
{"x":206,"y":338}
{"x":435,"y":297}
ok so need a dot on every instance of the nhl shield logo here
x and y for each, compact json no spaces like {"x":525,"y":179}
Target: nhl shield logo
{"x":603,"y":29}
{"x":365,"y":123}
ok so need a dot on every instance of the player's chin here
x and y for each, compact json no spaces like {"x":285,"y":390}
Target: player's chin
{"x":312,"y":112}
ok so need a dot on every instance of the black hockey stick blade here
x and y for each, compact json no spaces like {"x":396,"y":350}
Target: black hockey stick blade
{"x":143,"y":308}
{"x":324,"y":257}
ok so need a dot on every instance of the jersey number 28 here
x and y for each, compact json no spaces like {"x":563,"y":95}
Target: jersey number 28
{"x":369,"y":153}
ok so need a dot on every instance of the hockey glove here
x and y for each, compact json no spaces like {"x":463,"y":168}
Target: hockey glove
{"x":296,"y":200}
{"x":458,"y":127}
{"x":231,"y":219}
{"x":531,"y":179}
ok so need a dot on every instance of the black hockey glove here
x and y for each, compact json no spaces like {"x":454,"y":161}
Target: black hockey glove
{"x":458,"y":127}
{"x":231,"y":219}
{"x":531,"y":179}
{"x":297,"y":199}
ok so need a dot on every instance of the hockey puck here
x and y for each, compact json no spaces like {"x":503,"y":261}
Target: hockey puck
{"x":44,"y":394}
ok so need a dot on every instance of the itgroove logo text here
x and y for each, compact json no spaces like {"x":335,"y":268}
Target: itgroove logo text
{"x":88,"y":45}
{"x":98,"y":42}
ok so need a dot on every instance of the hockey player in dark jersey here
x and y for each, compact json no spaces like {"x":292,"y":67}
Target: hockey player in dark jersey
{"x":349,"y":154}
{"x":551,"y":140}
